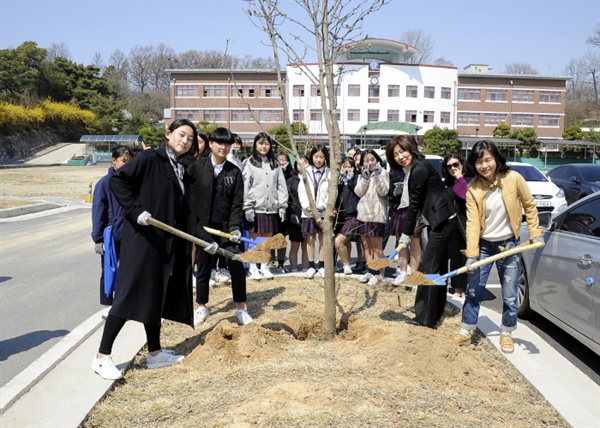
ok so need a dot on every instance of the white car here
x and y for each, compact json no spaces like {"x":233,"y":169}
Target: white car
{"x":547,"y":195}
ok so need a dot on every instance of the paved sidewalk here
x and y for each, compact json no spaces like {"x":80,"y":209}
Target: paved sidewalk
{"x":68,"y":389}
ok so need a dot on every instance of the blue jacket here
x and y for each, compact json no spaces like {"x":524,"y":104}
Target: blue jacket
{"x":106,"y":210}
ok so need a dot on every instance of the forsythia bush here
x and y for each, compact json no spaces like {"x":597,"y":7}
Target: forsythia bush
{"x":46,"y":114}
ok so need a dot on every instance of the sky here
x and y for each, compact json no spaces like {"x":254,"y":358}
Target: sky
{"x":545,"y":34}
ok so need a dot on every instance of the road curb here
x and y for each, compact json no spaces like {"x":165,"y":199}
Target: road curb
{"x":28,"y":209}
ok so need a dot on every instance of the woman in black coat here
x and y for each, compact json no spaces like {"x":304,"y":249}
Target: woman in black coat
{"x":426,"y":193}
{"x":154,"y":280}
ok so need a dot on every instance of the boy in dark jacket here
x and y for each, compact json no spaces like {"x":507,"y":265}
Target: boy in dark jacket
{"x":106,"y":211}
{"x":218,"y":195}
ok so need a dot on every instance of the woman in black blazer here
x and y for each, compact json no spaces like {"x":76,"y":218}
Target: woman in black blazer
{"x":427,"y":194}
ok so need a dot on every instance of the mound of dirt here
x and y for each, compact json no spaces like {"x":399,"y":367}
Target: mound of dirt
{"x":381,"y":369}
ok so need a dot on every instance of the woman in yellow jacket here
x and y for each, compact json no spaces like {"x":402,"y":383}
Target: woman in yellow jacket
{"x":496,"y":199}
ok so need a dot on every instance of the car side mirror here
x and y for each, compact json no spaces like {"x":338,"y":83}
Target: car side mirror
{"x":545,"y":219}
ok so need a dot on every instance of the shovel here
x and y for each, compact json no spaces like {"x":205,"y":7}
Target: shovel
{"x":383,"y":263}
{"x":249,"y":257}
{"x":256,"y":242}
{"x":525,"y":246}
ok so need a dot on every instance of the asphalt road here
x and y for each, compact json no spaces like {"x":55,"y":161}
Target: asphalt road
{"x":49,"y":278}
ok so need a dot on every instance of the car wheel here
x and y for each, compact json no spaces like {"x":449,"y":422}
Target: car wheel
{"x":524,"y":310}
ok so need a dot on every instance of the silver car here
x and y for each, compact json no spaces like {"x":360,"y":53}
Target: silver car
{"x":561,"y":281}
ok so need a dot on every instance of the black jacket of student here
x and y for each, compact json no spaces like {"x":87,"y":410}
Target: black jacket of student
{"x":229,"y":184}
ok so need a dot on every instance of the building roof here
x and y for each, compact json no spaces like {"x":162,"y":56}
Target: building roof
{"x":110,"y":138}
{"x":409,"y":128}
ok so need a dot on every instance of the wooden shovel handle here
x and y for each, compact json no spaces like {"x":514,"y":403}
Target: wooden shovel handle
{"x":188,"y":237}
{"x":218,"y":232}
{"x":516,"y":250}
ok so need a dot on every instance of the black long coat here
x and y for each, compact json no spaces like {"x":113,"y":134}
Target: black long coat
{"x":154,"y":279}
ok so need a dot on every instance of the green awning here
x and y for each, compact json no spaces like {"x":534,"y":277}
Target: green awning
{"x":409,"y":128}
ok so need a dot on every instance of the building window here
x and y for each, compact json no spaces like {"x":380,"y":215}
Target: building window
{"x":316,"y":115}
{"x":468,"y":94}
{"x":393,"y":90}
{"x":372,"y":116}
{"x":298,"y":91}
{"x":393,"y":115}
{"x":429,"y":92}
{"x":187,"y":91}
{"x":270,"y":116}
{"x":495,"y":94}
{"x":354,"y":90}
{"x":298,"y":115}
{"x":522,"y":96}
{"x":445,"y":117}
{"x":410,"y":116}
{"x":446,"y":93}
{"x":353,"y":115}
{"x":494,"y":118}
{"x":187,"y":114}
{"x":245,"y":91}
{"x":522,"y":120}
{"x":215,"y":91}
{"x":268,"y":91}
{"x":373,"y":91}
{"x":549,"y":97}
{"x":468,"y":118}
{"x":427,"y":116}
{"x":241,"y":116}
{"x":315,"y":91}
{"x":215,"y":115}
{"x":548,"y":120}
{"x":411,"y":92}
{"x":338,"y":114}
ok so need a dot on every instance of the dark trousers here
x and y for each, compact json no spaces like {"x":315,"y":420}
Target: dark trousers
{"x":205,"y":261}
{"x":113,"y":326}
{"x":430,"y":300}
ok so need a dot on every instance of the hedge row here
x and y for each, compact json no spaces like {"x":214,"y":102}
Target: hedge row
{"x":15,"y":118}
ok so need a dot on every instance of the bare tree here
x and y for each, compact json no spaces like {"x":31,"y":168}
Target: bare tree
{"x":443,"y":61}
{"x":423,"y":42}
{"x":594,"y":39}
{"x":158,"y":65}
{"x":520,"y":68}
{"x":591,"y":64}
{"x":97,"y":61}
{"x":323,"y":28}
{"x":140,"y":71}
{"x":58,"y":50}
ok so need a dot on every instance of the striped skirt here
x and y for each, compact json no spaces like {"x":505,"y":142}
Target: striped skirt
{"x":264,"y":223}
{"x":371,"y":229}
{"x":309,"y":226}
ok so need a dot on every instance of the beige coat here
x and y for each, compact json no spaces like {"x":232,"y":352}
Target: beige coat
{"x":515,"y":194}
{"x":374,"y":200}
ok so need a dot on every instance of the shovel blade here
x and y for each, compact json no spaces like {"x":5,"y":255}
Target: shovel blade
{"x":438,"y":279}
{"x":254,"y":242}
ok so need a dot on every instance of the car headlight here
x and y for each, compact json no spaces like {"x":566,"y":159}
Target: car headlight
{"x":560,"y":194}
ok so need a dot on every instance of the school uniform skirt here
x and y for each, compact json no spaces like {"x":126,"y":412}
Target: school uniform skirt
{"x":264,"y":223}
{"x":350,"y":228}
{"x":308,"y":225}
{"x":370,"y":228}
{"x":397,"y":220}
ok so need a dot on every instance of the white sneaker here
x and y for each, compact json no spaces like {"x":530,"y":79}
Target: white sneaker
{"x":365,"y":278}
{"x":200,"y":315}
{"x":255,"y":274}
{"x":164,"y":358}
{"x":266,"y":272}
{"x":106,"y":368}
{"x":373,"y":281}
{"x":310,"y":273}
{"x":321,"y":272}
{"x":211,"y":281}
{"x":223,"y":276}
{"x":400,"y":278}
{"x":243,"y":317}
{"x":347,"y":270}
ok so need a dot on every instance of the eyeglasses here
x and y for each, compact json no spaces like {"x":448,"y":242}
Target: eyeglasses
{"x":453,"y":165}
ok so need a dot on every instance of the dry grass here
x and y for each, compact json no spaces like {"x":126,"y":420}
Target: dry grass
{"x":381,"y":370}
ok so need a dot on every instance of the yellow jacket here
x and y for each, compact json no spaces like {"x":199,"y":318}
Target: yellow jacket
{"x":515,"y":194}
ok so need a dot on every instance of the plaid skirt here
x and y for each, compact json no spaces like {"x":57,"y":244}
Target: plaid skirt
{"x":350,"y":228}
{"x":308,"y":225}
{"x":264,"y":223}
{"x":371,"y":229}
{"x":397,"y":220}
